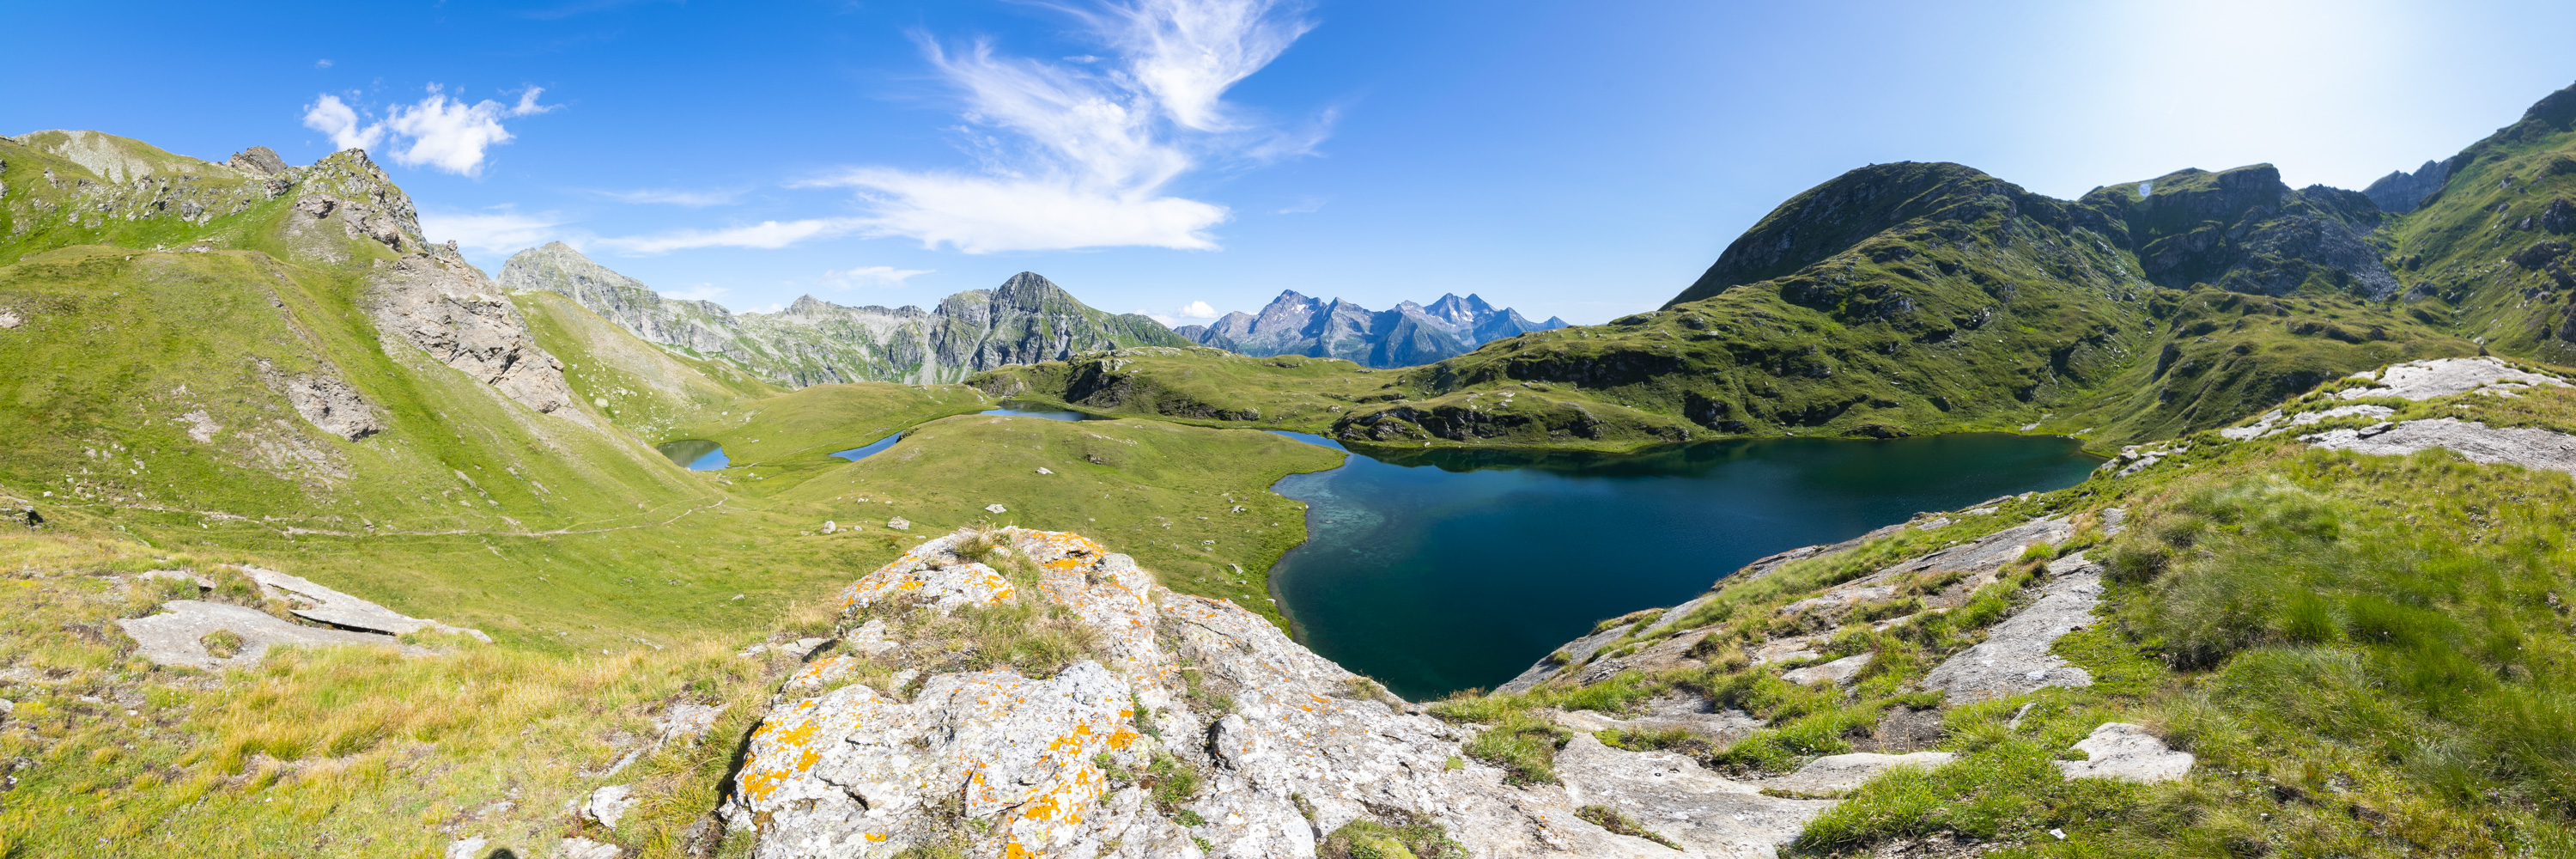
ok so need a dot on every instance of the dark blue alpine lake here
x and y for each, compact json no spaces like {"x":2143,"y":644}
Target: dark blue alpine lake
{"x":1450,"y":569}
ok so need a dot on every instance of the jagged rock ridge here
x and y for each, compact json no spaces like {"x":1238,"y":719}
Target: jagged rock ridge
{"x":1410,"y":334}
{"x":1026,"y":320}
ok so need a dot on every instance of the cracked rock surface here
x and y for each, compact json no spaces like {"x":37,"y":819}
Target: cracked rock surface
{"x":1294,"y":749}
{"x":2523,"y":446}
{"x":176,"y":635}
{"x":2014,"y":658}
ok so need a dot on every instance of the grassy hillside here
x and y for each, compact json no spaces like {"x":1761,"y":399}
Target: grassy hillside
{"x":1898,"y":299}
{"x":2367,"y":655}
{"x":2490,"y":249}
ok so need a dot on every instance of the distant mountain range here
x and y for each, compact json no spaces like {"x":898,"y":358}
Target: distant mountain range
{"x":1410,"y":334}
{"x":1027,"y":320}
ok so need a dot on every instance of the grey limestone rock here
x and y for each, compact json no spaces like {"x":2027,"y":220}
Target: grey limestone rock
{"x":317,"y":603}
{"x":1838,"y":774}
{"x":609,"y":803}
{"x":2523,"y":446}
{"x":2119,"y":750}
{"x":2442,"y":377}
{"x":174,"y":636}
{"x":449,"y":310}
{"x":1838,"y":672}
{"x":329,"y":403}
{"x":1300,"y":752}
{"x":2014,"y":658}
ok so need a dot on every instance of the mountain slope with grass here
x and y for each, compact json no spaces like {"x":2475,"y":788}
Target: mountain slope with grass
{"x":1028,"y":318}
{"x":2283,"y":639}
{"x":1913,"y":298}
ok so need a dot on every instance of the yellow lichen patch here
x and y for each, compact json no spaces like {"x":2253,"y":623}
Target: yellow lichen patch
{"x":1122,"y":738}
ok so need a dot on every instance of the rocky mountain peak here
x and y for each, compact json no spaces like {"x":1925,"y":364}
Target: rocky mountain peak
{"x":812,"y":341}
{"x":1409,"y":334}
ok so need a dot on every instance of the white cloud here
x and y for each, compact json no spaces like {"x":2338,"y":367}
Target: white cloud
{"x":875,"y":275}
{"x":331,"y":116}
{"x":764,"y":235}
{"x":442,"y":133}
{"x":1193,"y":312}
{"x":322,"y":64}
{"x":692,"y":199}
{"x":498,"y":232}
{"x":1087,"y":155}
{"x":700,"y":292}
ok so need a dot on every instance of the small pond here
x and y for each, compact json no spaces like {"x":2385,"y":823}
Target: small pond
{"x":1025,"y":409}
{"x":1009,"y":408}
{"x":694,"y":454}
{"x":1448,"y":569}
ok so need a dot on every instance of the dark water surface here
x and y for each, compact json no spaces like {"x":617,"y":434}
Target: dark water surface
{"x":1451,"y":569}
{"x":1025,"y":409}
{"x":694,"y":454}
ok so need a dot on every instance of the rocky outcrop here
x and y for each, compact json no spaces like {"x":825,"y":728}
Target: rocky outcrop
{"x":1026,"y":320}
{"x":326,"y":401}
{"x":2015,"y":659}
{"x":320,"y":604}
{"x":2119,"y":750}
{"x":890,"y":743}
{"x":1410,"y":334}
{"x":444,"y":306}
{"x":181,"y":635}
{"x":2399,"y":192}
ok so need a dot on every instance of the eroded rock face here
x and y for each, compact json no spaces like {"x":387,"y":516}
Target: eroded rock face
{"x":1288,"y":747}
{"x":448,"y":309}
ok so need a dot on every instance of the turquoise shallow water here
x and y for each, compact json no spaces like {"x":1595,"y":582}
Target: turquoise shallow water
{"x":694,"y":454}
{"x":1450,"y":569}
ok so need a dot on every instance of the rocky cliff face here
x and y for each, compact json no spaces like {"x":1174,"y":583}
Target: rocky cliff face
{"x":2399,"y":191}
{"x":1410,"y":334}
{"x":813,"y":341}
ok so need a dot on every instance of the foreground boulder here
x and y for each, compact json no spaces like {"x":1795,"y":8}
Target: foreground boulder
{"x":1160,"y":725}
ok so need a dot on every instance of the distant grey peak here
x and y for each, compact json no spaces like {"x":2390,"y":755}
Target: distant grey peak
{"x":2400,"y":192}
{"x":1408,"y":334}
{"x":813,"y":341}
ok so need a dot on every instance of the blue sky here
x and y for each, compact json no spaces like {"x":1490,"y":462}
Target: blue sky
{"x":1578,"y":159}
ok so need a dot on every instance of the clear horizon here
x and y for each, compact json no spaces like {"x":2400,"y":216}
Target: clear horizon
{"x":1186,"y":157}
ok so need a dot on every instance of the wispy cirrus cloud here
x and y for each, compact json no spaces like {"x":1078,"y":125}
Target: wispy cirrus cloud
{"x":437,"y":132}
{"x":1084,"y":152}
{"x":498,"y":231}
{"x":764,"y":235}
{"x":870,"y":276}
{"x":659,"y":196}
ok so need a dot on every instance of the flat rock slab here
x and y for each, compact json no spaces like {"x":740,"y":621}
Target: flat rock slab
{"x":2442,"y":377}
{"x":1834,"y":775}
{"x":2014,"y":658}
{"x":1838,"y":672}
{"x":1692,"y":714}
{"x":172,"y":637}
{"x":317,"y":603}
{"x":2529,"y":448}
{"x":2127,"y":752}
{"x":1673,"y":796}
